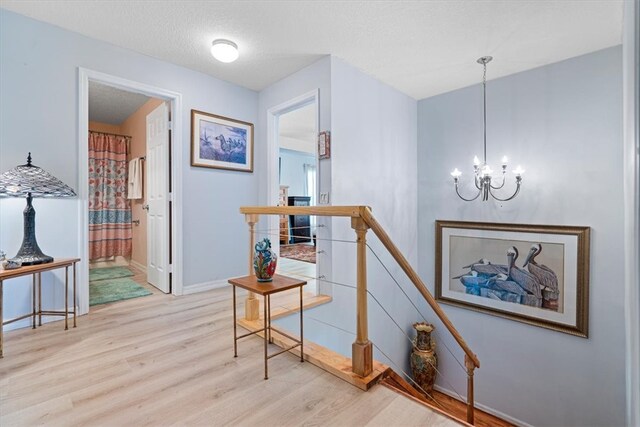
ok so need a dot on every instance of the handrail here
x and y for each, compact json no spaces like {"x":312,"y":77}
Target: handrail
{"x":365,"y":213}
{"x":417,"y":282}
{"x":350,"y":211}
{"x":362,"y":219}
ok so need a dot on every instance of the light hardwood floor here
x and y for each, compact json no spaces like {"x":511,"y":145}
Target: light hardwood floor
{"x":300,"y":269}
{"x":165,"y":360}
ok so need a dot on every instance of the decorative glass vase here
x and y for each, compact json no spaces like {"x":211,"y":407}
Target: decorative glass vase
{"x":264,"y":261}
{"x":423,"y":359}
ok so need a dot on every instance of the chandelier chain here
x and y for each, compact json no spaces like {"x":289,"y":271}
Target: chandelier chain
{"x":484,"y":109}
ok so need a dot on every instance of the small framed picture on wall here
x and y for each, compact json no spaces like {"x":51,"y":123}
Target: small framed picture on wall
{"x":221,"y":142}
{"x":324,"y":145}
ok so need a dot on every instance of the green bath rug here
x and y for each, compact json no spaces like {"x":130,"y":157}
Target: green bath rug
{"x":107,"y":291}
{"x":109,"y":273}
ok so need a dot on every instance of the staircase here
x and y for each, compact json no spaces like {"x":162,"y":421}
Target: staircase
{"x":361,"y":370}
{"x":445,"y":405}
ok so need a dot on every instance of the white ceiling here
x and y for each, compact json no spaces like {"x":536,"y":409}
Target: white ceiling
{"x":421,"y":48}
{"x":112,"y":106}
{"x":299,"y":123}
{"x":297,"y":129}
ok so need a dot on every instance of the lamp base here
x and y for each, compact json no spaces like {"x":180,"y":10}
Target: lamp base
{"x":33,"y":259}
{"x":30,"y":253}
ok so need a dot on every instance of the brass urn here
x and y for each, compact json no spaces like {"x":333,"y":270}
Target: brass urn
{"x":424,"y":361}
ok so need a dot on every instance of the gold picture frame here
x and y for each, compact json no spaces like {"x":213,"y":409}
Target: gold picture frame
{"x":220,"y":142}
{"x":478,"y":268}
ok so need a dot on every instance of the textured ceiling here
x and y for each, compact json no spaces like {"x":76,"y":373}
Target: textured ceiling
{"x":112,"y":106}
{"x":421,"y":48}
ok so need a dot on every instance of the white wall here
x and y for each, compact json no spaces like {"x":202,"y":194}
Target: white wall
{"x":297,"y":144}
{"x":563,"y":123}
{"x":292,"y":171}
{"x":39,"y":113}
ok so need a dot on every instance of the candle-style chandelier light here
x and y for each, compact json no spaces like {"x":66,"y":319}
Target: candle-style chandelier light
{"x":482,"y":170}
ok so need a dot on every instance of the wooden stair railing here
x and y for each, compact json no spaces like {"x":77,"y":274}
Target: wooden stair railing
{"x":362,"y":220}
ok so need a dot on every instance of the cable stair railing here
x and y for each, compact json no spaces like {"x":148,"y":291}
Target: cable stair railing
{"x":434,"y":402}
{"x":362,"y":220}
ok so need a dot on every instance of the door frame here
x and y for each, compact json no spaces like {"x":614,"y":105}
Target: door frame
{"x":273,"y":151}
{"x":84,"y":76}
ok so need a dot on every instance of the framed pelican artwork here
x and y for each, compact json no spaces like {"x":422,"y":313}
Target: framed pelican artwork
{"x":536,"y":274}
{"x":220,"y":142}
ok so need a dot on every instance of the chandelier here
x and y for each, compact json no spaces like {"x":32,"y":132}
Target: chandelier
{"x":482,"y":171}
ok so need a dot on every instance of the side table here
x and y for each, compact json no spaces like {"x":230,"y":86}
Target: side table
{"x":36,"y":284}
{"x":266,"y":289}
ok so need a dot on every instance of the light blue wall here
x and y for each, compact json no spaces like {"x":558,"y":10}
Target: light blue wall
{"x":292,"y":170}
{"x":39,"y":113}
{"x":374,"y":148}
{"x":631,"y":77}
{"x":315,"y":77}
{"x":563,"y":123}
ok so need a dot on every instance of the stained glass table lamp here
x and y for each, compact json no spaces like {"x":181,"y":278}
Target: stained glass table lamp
{"x":30,"y":181}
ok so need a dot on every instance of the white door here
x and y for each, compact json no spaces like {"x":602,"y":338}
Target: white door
{"x":157,"y":191}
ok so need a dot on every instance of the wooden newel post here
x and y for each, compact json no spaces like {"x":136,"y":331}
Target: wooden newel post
{"x":470,"y":368}
{"x":251,"y":304}
{"x":361,"y":349}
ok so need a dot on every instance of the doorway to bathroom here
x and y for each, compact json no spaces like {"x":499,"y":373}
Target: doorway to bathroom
{"x":170,"y":194}
{"x":128,"y":182}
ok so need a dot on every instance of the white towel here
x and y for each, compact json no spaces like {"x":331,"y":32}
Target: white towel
{"x":135,"y":179}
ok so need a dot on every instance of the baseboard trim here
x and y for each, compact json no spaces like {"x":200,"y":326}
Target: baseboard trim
{"x":485,"y":408}
{"x":205,"y":286}
{"x":139,"y":266}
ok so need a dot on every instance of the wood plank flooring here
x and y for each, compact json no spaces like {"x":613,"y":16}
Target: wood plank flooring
{"x":301,"y":270}
{"x":165,"y":360}
{"x":330,"y":361}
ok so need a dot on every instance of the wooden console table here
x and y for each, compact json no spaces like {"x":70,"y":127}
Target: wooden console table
{"x":36,"y":284}
{"x":266,"y":289}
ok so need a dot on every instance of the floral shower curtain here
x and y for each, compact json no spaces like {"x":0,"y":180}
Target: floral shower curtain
{"x":109,"y":208}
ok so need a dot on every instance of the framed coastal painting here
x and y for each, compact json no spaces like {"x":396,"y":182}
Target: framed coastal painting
{"x":536,"y":274}
{"x":220,"y":142}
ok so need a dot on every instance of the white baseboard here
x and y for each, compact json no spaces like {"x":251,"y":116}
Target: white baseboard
{"x":485,"y":408}
{"x":205,"y":286}
{"x":139,"y":266}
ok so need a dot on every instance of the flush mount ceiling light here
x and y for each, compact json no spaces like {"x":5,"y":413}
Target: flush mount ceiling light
{"x":482,"y":171}
{"x":224,"y":50}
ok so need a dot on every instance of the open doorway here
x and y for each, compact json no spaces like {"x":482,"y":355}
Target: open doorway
{"x":298,"y":186}
{"x":128,"y":182}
